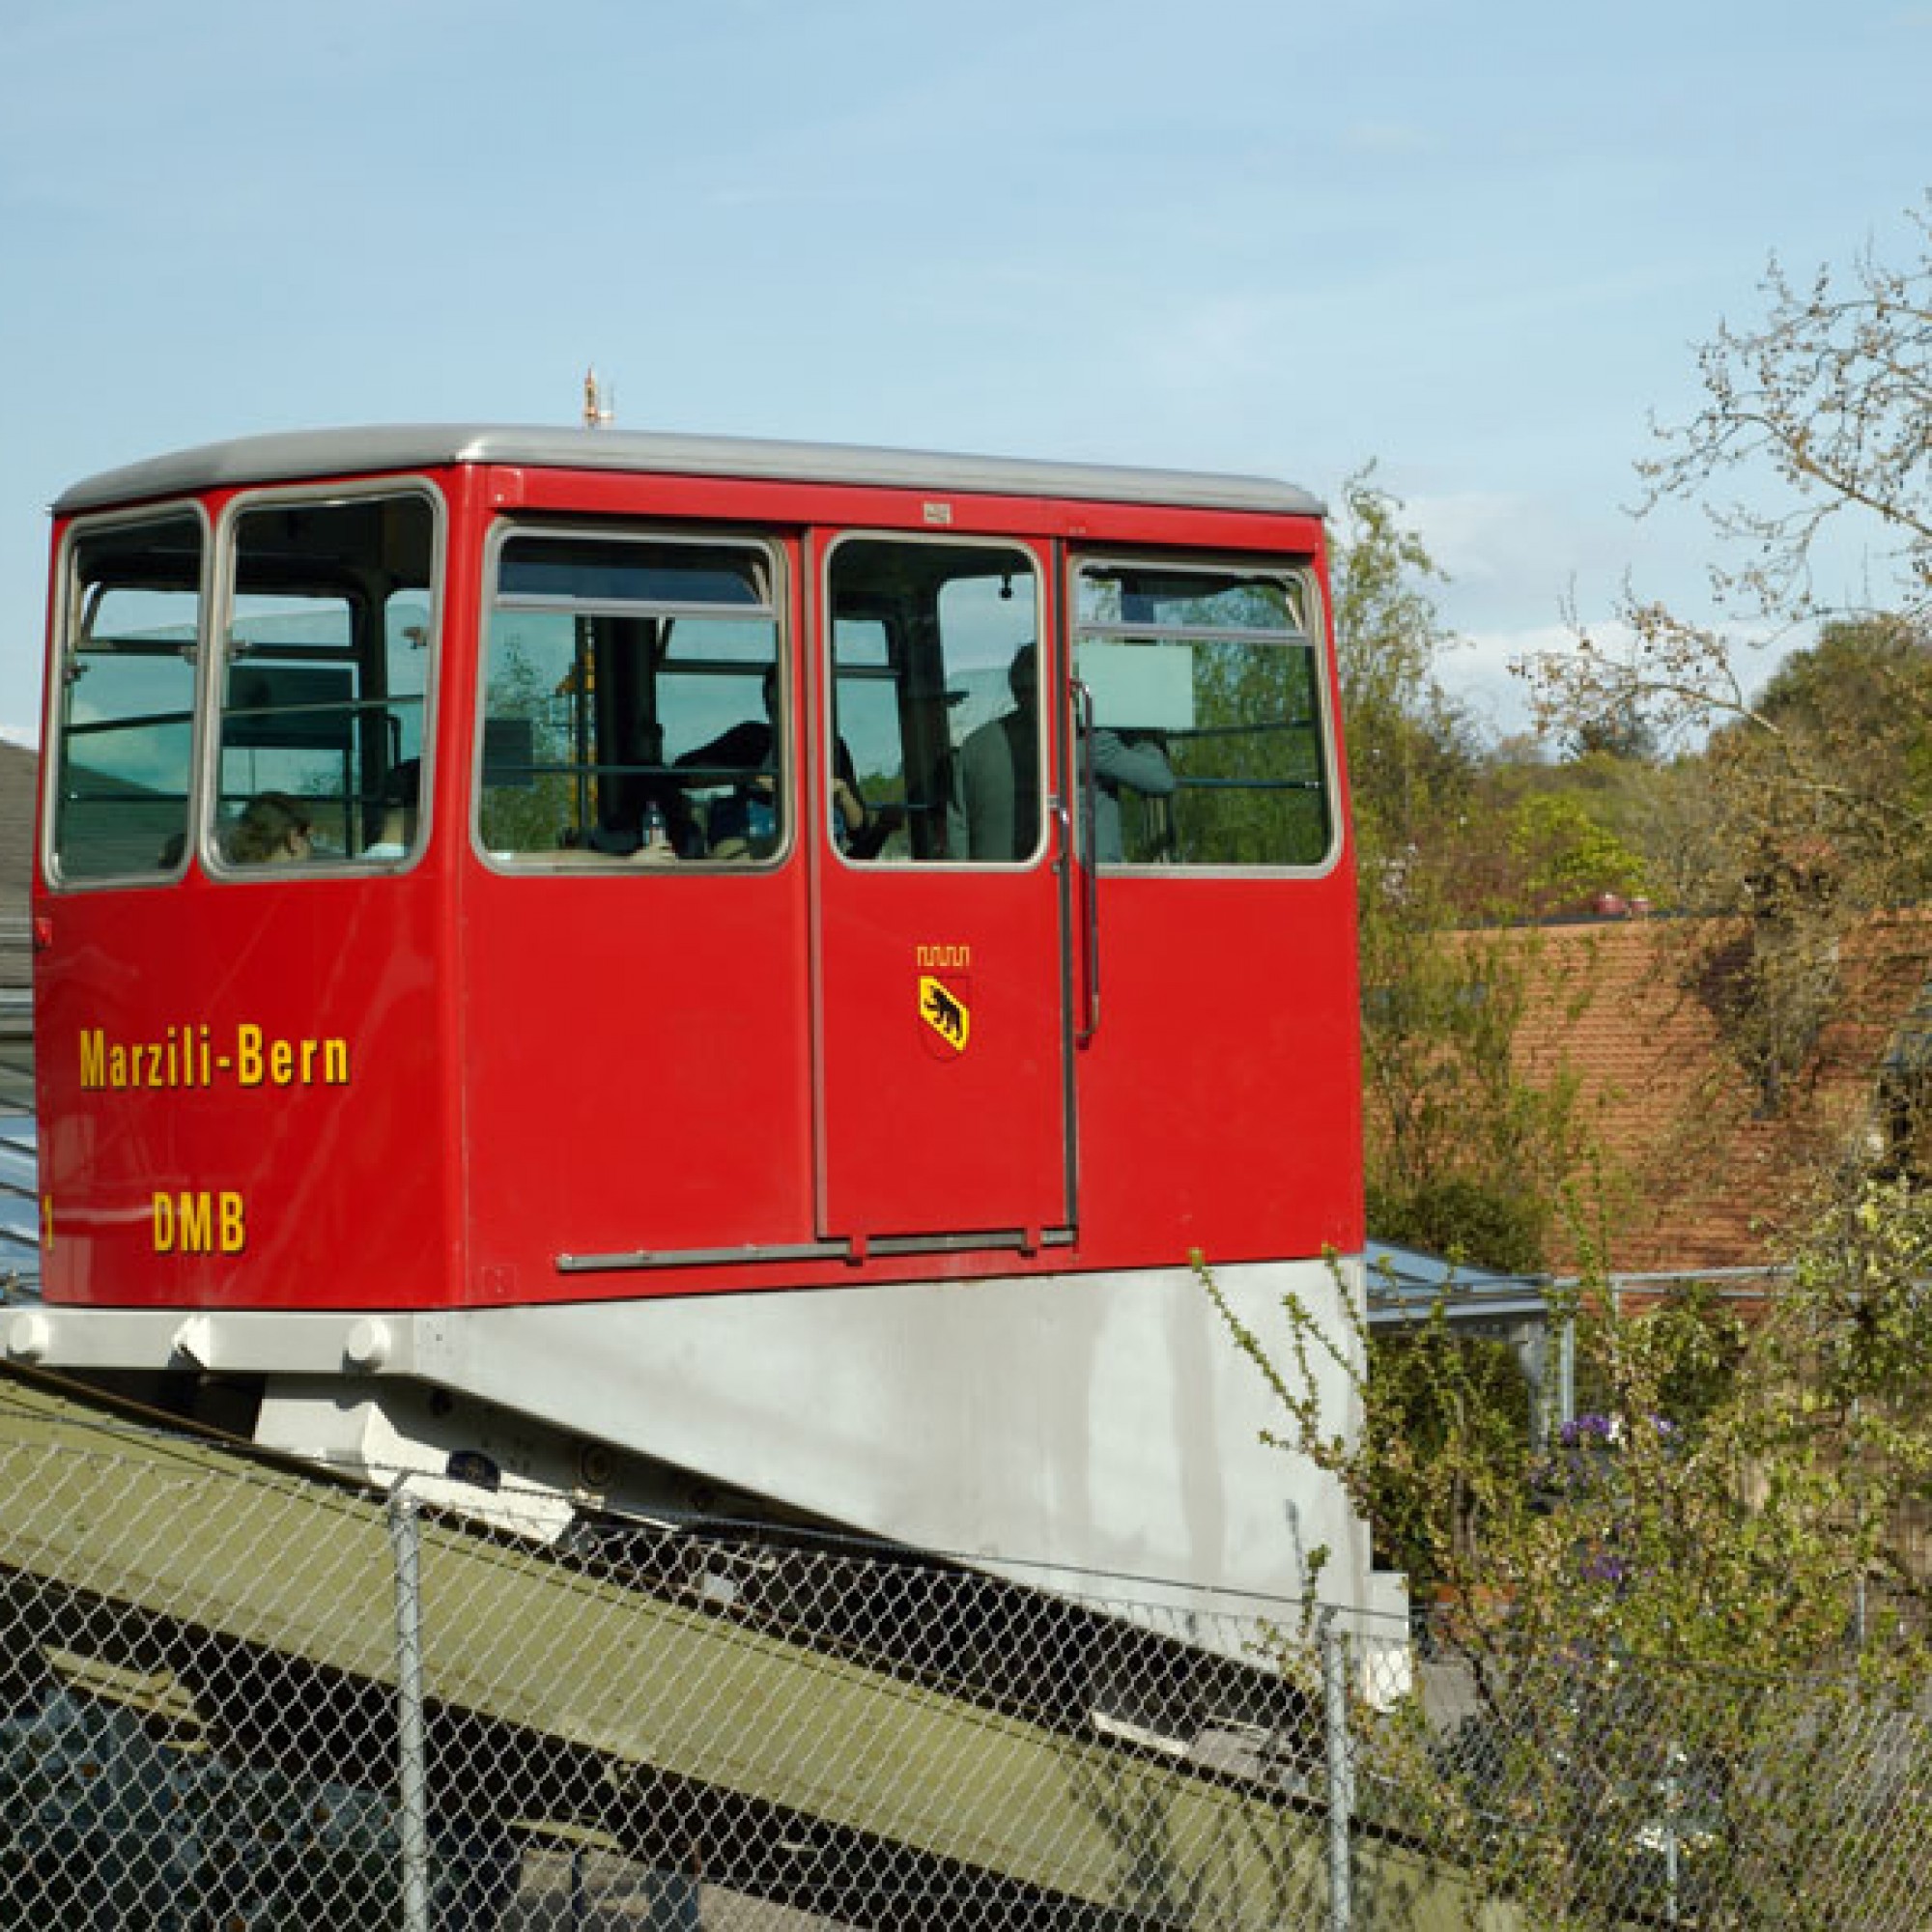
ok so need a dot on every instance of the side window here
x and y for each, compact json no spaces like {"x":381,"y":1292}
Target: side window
{"x":325,"y":669}
{"x":936,"y":700}
{"x":1203,"y":743}
{"x":630,"y":702}
{"x":125,"y":728}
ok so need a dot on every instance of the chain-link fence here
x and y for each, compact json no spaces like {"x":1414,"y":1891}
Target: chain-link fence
{"x":236,"y":1696}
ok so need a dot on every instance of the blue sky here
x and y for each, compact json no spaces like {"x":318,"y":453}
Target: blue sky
{"x":1477,"y":243}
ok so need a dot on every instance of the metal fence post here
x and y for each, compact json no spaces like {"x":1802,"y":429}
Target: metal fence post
{"x":1341,"y":1773}
{"x":412,"y":1753}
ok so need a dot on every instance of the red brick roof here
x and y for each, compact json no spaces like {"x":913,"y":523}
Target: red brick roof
{"x":1706,"y":1169}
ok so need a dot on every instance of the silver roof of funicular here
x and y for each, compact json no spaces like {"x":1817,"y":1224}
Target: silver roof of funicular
{"x":299,"y":455}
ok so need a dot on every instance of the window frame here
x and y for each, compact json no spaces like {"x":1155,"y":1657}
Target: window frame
{"x":1039,"y":558}
{"x":69,"y":605}
{"x":212,"y":740}
{"x":767,"y":544}
{"x":1286,"y":567}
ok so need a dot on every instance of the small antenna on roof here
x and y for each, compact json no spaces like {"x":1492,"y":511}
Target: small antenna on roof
{"x":596,"y":412}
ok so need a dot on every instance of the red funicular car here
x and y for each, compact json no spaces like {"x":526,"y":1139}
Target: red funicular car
{"x":666,"y":970}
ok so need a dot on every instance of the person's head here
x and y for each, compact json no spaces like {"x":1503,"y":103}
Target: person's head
{"x":1023,"y":676}
{"x":274,"y":829}
{"x":404,"y":785}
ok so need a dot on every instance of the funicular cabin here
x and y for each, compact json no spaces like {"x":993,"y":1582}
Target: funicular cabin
{"x":680,"y":972}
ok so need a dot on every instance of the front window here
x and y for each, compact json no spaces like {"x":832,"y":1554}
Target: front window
{"x":632,"y":702}
{"x":1204,"y":742}
{"x":125,"y":725}
{"x":326,"y":672}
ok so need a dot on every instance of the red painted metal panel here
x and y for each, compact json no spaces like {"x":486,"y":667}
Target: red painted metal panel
{"x":242,"y":1100}
{"x":942,"y":1038}
{"x":1220,"y":1097}
{"x":638,"y":1074}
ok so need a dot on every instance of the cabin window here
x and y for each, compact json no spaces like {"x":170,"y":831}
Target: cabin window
{"x":1203,"y":693}
{"x":633,"y":703}
{"x":326,"y":671}
{"x":936,"y":698}
{"x":126,"y":706}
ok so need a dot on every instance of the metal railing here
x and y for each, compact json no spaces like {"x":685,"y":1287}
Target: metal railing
{"x":240,"y":1695}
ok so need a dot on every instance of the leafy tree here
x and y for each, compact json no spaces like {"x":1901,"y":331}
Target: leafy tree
{"x":1682,"y":1609}
{"x":1679,"y":1615}
{"x":1810,"y":802}
{"x":1566,"y":855}
{"x":1411,"y":748}
{"x":1812,"y":426}
{"x":1825,"y":400}
{"x":1465,"y":1156}
{"x":1458,"y":1404}
{"x":1468,"y":1219}
{"x":1462,"y":1156}
{"x":1620,"y":730}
